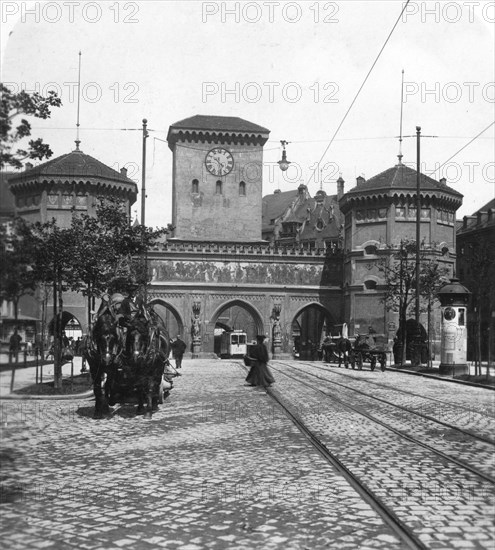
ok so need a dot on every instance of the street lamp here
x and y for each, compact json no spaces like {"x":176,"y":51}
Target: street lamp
{"x":284,"y":163}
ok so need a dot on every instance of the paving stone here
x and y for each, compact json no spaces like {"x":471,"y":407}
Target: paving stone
{"x":220,"y":466}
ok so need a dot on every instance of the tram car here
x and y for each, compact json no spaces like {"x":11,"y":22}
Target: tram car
{"x":233,"y":344}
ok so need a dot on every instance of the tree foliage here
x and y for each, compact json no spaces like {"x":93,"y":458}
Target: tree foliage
{"x":14,"y":105}
{"x":17,"y":248}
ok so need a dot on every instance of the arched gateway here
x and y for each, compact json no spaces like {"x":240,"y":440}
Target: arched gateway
{"x":260,"y":289}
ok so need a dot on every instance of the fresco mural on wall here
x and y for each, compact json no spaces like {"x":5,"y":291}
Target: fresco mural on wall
{"x":239,"y":272}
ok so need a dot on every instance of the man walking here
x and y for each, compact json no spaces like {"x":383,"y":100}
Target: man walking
{"x":14,"y":345}
{"x":178,"y":349}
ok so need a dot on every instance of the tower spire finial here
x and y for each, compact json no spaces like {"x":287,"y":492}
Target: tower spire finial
{"x":400,"y":155}
{"x":78,"y":141}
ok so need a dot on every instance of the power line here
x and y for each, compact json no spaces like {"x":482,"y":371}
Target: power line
{"x":360,"y":88}
{"x":462,"y":148}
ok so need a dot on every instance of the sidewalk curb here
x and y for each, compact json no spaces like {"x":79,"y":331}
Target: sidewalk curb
{"x":445,"y":379}
{"x":27,"y":397}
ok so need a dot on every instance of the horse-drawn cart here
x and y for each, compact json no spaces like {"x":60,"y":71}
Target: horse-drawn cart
{"x":366,"y":349}
{"x":129,"y":366}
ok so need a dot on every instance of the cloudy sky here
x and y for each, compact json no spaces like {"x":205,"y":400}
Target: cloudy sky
{"x":293,"y":67}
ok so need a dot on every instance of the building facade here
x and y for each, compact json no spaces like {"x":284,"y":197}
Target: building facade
{"x":287,"y":265}
{"x":476,"y":270}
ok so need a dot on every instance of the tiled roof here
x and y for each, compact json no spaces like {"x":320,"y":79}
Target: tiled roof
{"x":75,"y":164}
{"x":400,"y":177}
{"x":329,"y":214}
{"x":276,"y":204}
{"x":219,"y":123}
{"x":488,"y":206}
{"x":478,"y":220}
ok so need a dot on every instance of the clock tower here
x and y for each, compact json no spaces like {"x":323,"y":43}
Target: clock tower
{"x":217,"y":178}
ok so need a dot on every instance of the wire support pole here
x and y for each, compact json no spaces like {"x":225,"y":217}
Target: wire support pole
{"x":143,"y":211}
{"x":418,"y":214}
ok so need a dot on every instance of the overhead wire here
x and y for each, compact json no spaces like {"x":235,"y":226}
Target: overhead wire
{"x":462,"y":148}
{"x":359,"y":91}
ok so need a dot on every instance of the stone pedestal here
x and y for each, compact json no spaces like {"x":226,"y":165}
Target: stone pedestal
{"x":277,"y":350}
{"x":196,"y":349}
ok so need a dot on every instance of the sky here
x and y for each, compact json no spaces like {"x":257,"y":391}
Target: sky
{"x":293,"y":67}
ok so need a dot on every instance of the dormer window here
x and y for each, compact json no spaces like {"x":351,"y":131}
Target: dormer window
{"x":370,"y":284}
{"x":370,"y":250}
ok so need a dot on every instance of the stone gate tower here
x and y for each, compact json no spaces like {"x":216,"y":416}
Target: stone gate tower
{"x":217,"y":178}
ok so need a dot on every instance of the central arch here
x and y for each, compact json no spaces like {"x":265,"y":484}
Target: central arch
{"x":235,"y":315}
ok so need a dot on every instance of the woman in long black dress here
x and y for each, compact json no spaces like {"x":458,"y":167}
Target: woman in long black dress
{"x":259,"y":374}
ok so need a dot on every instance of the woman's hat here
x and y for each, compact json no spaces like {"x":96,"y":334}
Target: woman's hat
{"x":260,"y":337}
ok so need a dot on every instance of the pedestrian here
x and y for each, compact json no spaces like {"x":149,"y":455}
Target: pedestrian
{"x":259,"y":374}
{"x":178,"y":349}
{"x":14,"y":345}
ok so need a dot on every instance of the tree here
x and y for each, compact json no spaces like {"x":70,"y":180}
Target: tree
{"x":398,"y":270}
{"x":53,"y":265}
{"x":109,"y":253}
{"x":17,"y":277}
{"x":14,"y":105}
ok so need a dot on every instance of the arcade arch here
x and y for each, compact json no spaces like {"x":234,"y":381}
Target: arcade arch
{"x":171,"y":317}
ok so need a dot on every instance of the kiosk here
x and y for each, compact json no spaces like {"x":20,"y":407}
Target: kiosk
{"x":453,"y":299}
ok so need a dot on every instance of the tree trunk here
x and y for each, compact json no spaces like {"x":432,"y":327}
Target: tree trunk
{"x":57,"y":352}
{"x":58,"y":370}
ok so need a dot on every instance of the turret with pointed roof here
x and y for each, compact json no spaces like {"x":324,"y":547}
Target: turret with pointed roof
{"x":74,"y":180}
{"x":380,"y":213}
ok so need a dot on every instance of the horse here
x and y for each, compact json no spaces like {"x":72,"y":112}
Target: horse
{"x":102,"y":350}
{"x":147,"y":351}
{"x":345,"y":352}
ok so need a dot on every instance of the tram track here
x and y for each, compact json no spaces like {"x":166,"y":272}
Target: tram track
{"x":468,"y":433}
{"x":400,"y":433}
{"x":399,"y":527}
{"x":393,"y":388}
{"x":409,"y":484}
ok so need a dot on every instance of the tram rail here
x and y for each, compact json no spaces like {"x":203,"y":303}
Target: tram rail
{"x":400,"y":433}
{"x":374,"y":475}
{"x":469,"y":433}
{"x":388,"y":386}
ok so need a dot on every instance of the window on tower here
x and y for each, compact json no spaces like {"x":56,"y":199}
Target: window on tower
{"x":242,"y":189}
{"x":195,"y":186}
{"x":218,"y":189}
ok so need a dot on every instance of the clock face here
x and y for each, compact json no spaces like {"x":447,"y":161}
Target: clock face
{"x":219,"y":162}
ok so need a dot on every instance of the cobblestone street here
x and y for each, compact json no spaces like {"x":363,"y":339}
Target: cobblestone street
{"x":219,"y":466}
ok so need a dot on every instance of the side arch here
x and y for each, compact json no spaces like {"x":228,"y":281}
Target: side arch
{"x":171,"y":317}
